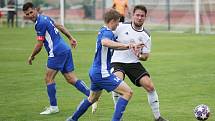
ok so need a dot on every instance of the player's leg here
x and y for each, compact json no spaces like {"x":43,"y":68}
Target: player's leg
{"x":115,"y":95}
{"x":147,"y":84}
{"x":67,"y":71}
{"x":51,"y":90}
{"x":8,"y":20}
{"x":53,"y":65}
{"x":79,"y":84}
{"x":126,"y":93}
{"x":84,"y":105}
{"x":141,"y":78}
{"x":118,"y":71}
{"x":153,"y":100}
{"x":12,"y":19}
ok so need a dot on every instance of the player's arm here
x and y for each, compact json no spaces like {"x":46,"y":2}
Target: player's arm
{"x":114,"y":45}
{"x":145,"y":51}
{"x":120,"y":46}
{"x":37,"y":48}
{"x":65,"y":31}
{"x":143,"y":56}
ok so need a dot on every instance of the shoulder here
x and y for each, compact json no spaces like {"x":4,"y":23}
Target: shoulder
{"x":128,"y":23}
{"x":123,"y":25}
{"x":147,"y":32}
{"x":105,"y":32}
{"x":42,"y":21}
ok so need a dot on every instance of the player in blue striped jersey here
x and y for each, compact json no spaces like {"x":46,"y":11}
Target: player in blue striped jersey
{"x":59,"y":54}
{"x":100,"y":75}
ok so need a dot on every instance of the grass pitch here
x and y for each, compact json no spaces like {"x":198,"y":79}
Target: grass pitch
{"x":182,"y":67}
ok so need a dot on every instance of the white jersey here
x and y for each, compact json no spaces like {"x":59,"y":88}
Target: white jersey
{"x":127,"y":34}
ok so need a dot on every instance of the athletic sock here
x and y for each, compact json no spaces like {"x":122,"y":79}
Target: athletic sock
{"x":120,"y":108}
{"x":115,"y":97}
{"x":154,"y":103}
{"x":81,"y":86}
{"x":81,"y":109}
{"x":51,"y":90}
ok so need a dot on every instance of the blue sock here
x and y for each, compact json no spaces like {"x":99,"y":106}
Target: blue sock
{"x":81,"y":86}
{"x":81,"y":109}
{"x":120,"y":108}
{"x":51,"y":89}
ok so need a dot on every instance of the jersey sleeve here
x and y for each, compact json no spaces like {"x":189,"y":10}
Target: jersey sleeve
{"x":147,"y":47}
{"x":41,"y":31}
{"x":108,"y":35}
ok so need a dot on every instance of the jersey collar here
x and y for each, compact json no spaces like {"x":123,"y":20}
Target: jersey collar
{"x":142,"y":29}
{"x":38,"y":15}
{"x":106,"y":27}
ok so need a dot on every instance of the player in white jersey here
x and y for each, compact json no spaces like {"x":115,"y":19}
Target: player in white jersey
{"x":128,"y":63}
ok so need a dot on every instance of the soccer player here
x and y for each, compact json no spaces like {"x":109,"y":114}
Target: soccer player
{"x":11,"y":14}
{"x":128,"y":63}
{"x":100,"y":75}
{"x":59,"y":54}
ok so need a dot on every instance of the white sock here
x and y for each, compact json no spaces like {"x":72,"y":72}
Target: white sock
{"x":54,"y":107}
{"x":115,"y":97}
{"x":154,"y":103}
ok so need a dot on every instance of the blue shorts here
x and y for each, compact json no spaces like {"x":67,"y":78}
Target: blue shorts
{"x":109,"y":83}
{"x":62,"y":62}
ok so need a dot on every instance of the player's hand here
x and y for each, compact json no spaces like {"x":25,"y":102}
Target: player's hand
{"x":73,"y":43}
{"x":136,"y":48}
{"x":30,"y":59}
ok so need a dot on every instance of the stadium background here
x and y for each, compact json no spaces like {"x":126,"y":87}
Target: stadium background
{"x":174,"y":15}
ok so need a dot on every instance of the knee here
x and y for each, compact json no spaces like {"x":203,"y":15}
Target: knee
{"x":70,"y":79}
{"x":48,"y":80}
{"x":93,"y":99}
{"x":147,"y":84}
{"x":128,"y":94}
{"x":150,"y":88}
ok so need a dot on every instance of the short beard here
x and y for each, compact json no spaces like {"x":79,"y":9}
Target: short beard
{"x":137,"y":25}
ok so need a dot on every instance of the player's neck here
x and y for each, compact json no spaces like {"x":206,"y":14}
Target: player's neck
{"x":137,"y":27}
{"x":35,"y":19}
{"x":108,"y":26}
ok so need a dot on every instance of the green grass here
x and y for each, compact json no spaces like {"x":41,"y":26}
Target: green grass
{"x":182,"y":67}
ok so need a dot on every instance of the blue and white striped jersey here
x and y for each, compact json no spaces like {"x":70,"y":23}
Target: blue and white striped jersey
{"x":49,"y":34}
{"x":102,"y":59}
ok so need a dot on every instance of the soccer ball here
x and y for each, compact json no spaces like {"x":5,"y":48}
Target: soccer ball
{"x":202,"y":112}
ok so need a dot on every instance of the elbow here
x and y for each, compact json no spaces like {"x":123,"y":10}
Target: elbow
{"x":59,"y":26}
{"x":144,"y":57}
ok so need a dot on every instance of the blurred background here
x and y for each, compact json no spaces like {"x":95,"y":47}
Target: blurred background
{"x":195,"y":16}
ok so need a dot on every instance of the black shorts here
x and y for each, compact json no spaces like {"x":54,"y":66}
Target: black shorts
{"x":134,"y":71}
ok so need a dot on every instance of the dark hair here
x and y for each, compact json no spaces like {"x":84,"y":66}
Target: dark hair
{"x":111,"y":14}
{"x":140,"y":7}
{"x":27,"y":5}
